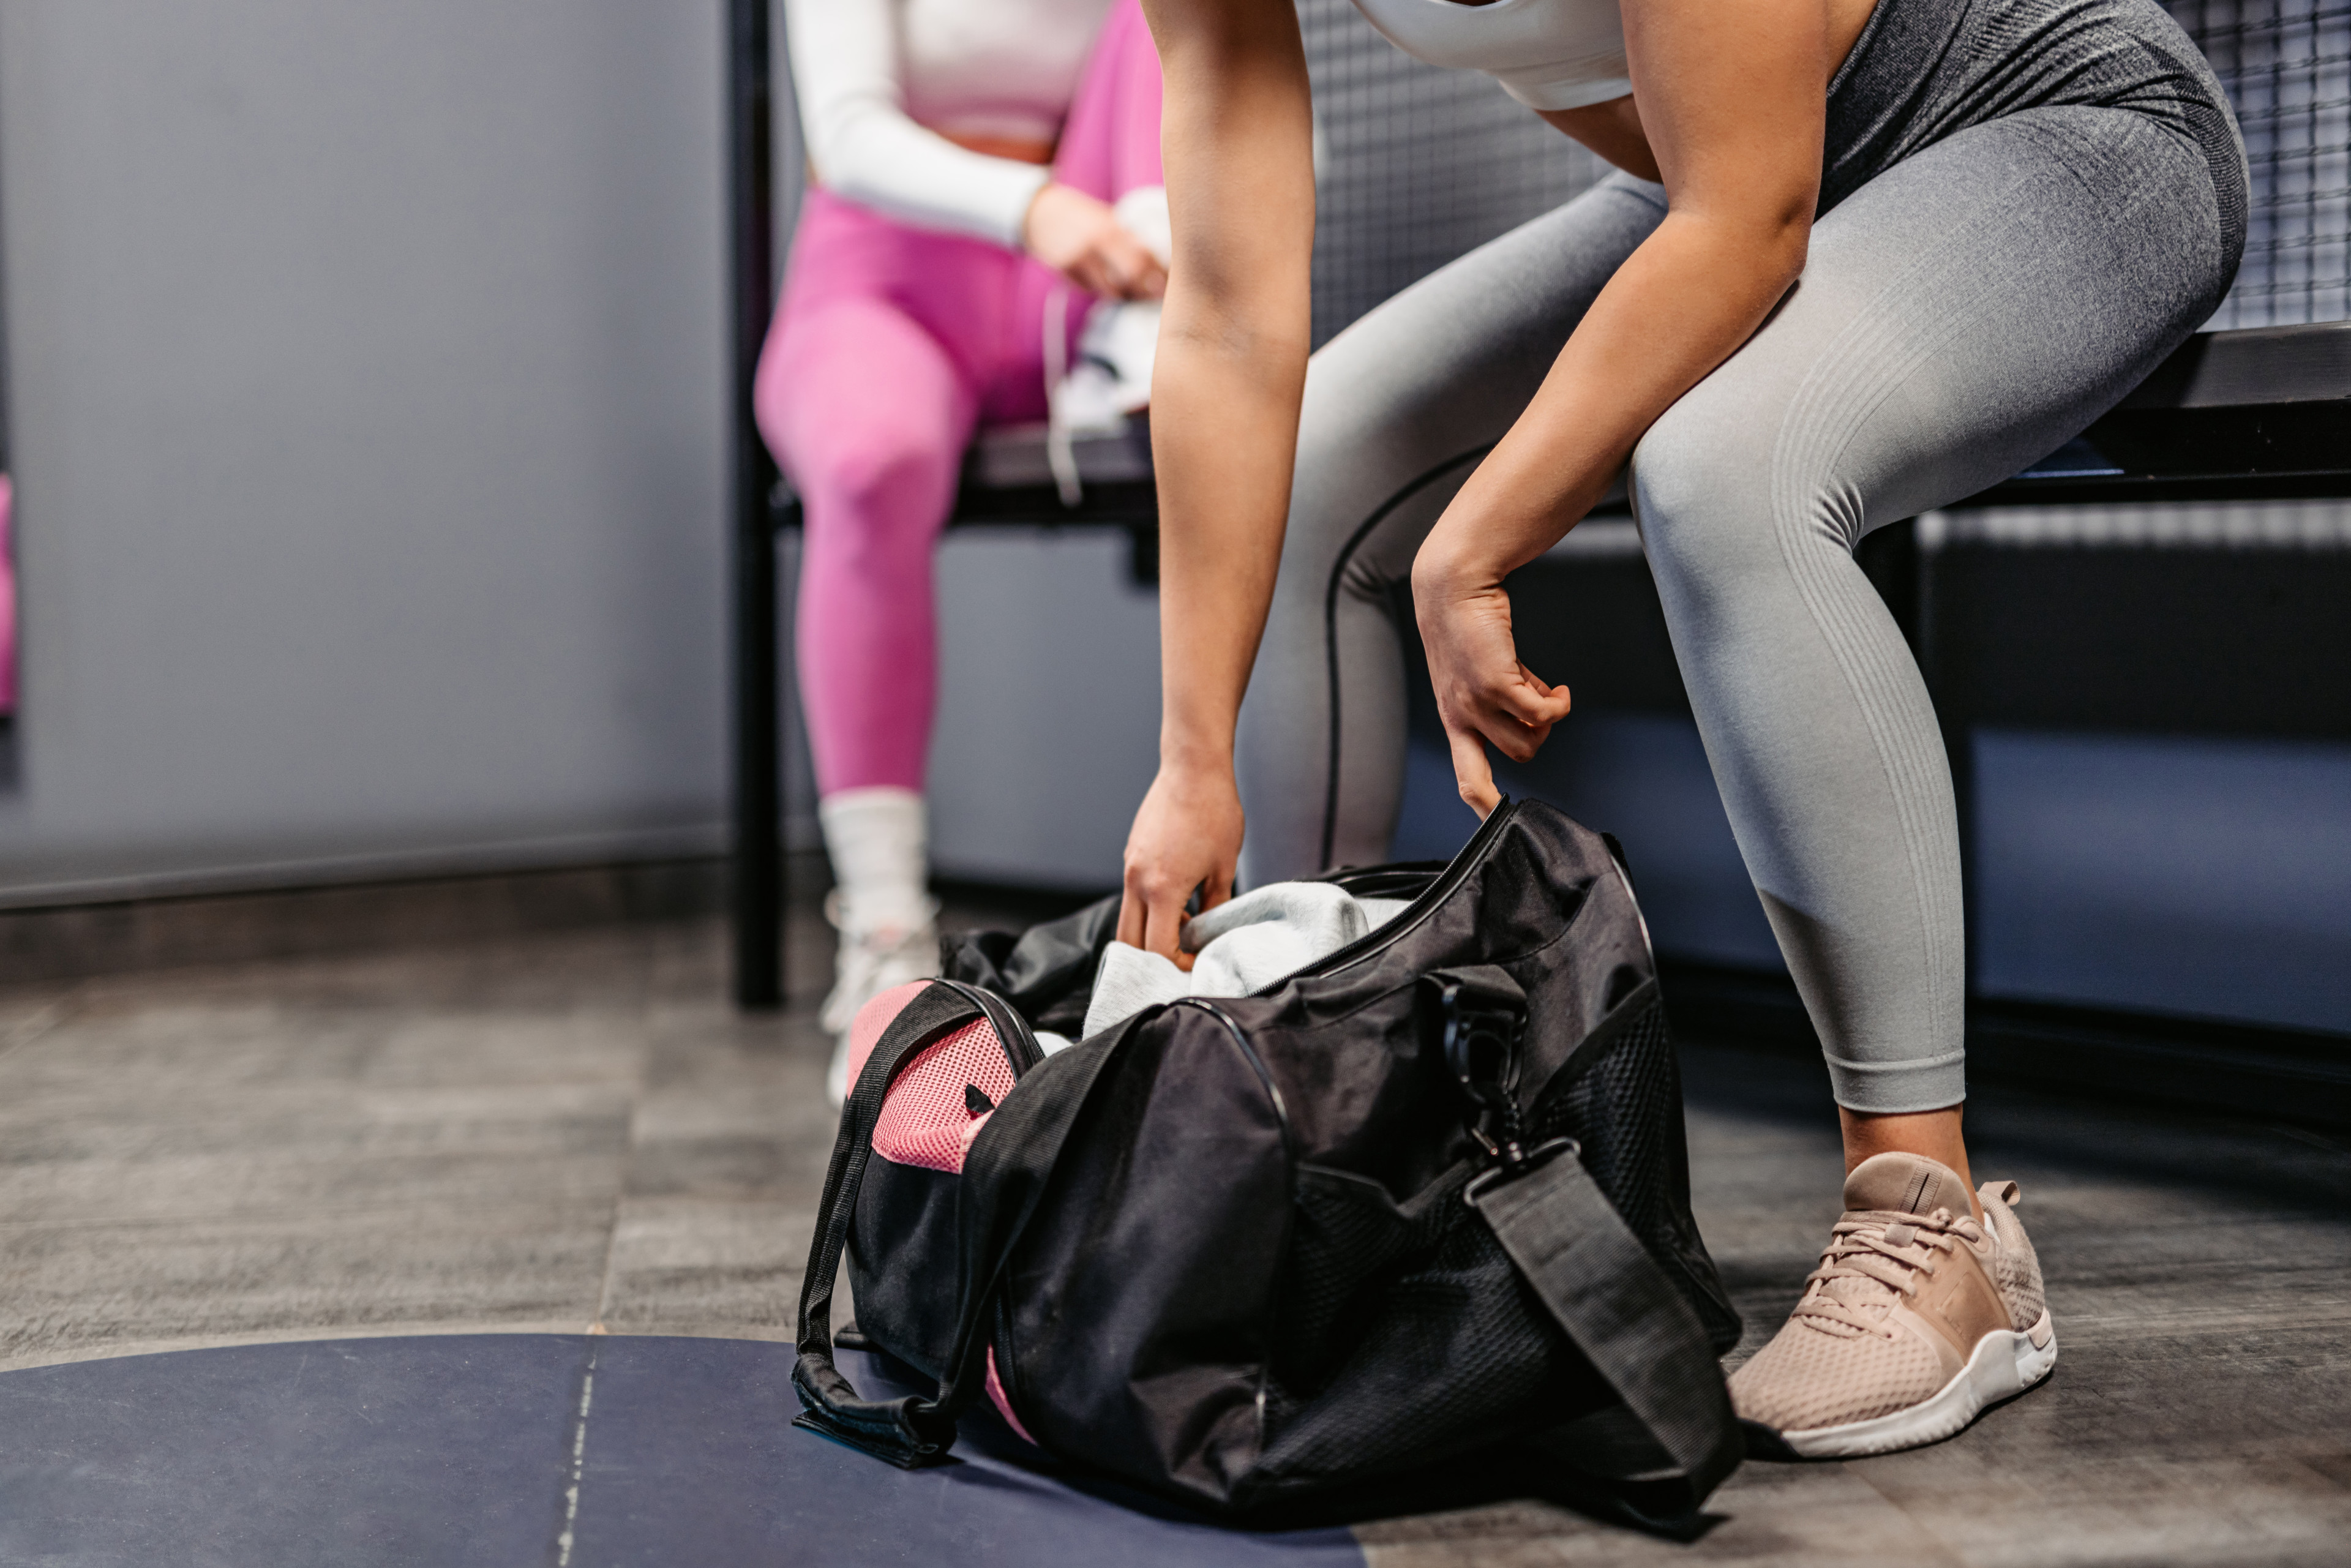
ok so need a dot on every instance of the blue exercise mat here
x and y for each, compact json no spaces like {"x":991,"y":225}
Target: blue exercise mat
{"x":603,"y":1452}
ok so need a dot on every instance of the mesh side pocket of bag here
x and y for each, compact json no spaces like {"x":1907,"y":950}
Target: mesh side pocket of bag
{"x":1404,"y":1333}
{"x":1348,"y":1237}
{"x":1616,"y":1109}
{"x":1437,"y":1358}
{"x":928,"y":1118}
{"x":1625,"y":1109}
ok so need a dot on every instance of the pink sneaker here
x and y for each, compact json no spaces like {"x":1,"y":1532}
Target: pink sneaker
{"x":1917,"y":1320}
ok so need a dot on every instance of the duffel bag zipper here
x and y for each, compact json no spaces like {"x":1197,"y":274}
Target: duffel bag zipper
{"x":1435,"y":893}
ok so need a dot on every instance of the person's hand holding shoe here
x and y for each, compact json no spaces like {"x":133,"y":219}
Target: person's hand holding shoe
{"x":1080,"y":238}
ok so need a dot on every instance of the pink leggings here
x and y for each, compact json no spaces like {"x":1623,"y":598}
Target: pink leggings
{"x":890,"y":346}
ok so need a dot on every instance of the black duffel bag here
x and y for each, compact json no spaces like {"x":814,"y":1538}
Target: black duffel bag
{"x":1427,"y":1196}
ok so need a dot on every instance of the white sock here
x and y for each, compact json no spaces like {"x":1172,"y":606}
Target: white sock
{"x":877,"y":838}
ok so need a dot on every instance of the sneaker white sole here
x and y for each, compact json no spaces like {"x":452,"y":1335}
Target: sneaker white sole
{"x":2005,"y":1363}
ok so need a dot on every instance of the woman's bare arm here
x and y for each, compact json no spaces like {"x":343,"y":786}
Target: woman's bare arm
{"x":1732,"y":104}
{"x":1614,"y":131}
{"x":1237,"y":143}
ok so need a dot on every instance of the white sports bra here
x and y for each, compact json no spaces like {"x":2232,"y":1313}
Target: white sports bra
{"x":1547,"y":54}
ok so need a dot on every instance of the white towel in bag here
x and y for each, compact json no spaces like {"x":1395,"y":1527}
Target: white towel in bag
{"x":1243,"y":944}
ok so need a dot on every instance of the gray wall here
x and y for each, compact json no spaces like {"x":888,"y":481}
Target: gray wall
{"x":1049,"y":705}
{"x":367,"y":375}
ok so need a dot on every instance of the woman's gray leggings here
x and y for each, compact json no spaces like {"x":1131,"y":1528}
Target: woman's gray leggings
{"x":1963,"y":313}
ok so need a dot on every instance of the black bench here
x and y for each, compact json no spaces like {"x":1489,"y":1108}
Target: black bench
{"x":2255,"y":415}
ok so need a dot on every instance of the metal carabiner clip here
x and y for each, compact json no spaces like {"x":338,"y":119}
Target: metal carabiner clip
{"x":1479,"y":1042}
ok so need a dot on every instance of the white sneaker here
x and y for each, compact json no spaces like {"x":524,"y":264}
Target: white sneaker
{"x":1118,"y":346}
{"x":1108,"y":381}
{"x":868,"y":961}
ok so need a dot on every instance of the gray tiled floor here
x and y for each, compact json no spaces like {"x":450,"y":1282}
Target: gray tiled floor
{"x":562,"y":1132}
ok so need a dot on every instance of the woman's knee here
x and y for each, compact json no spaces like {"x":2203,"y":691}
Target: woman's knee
{"x":1701,"y":487}
{"x":1373,"y":472}
{"x":890,"y":478}
{"x":865,"y":414}
{"x":875,"y":508}
{"x":1338,"y":437}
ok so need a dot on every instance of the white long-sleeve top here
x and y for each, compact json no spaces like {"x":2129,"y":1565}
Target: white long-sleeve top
{"x":878,"y":80}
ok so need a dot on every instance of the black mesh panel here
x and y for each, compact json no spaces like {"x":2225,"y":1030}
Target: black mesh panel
{"x":1402,"y":1331}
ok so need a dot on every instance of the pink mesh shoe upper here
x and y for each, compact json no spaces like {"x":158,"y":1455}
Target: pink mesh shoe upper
{"x":1861,"y":1344}
{"x":1813,"y":1374}
{"x":2018,"y":1271}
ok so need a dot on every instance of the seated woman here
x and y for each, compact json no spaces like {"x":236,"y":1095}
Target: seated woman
{"x":961,"y":226}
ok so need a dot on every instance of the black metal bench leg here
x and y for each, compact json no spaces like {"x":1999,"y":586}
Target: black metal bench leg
{"x":758,"y":805}
{"x":758,"y":890}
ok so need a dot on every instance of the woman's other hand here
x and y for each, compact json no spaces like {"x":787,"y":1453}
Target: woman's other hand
{"x":1484,"y":695}
{"x":1729,"y":108}
{"x":1080,"y":238}
{"x":1187,"y":836}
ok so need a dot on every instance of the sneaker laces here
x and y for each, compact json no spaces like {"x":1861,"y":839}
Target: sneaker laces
{"x":1874,"y":1261}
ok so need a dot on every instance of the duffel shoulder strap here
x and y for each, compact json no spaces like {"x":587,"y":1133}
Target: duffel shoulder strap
{"x":1600,"y":1284}
{"x":1004,"y":1176}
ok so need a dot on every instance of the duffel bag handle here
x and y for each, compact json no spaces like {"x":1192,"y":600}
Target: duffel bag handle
{"x":1005,"y":1174}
